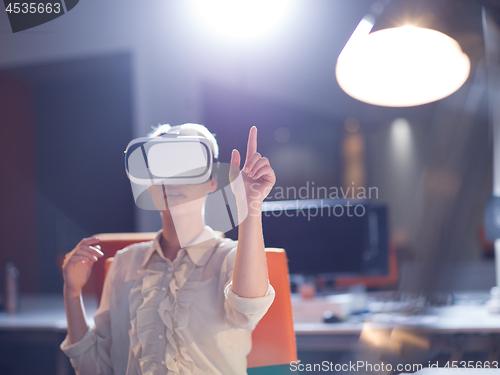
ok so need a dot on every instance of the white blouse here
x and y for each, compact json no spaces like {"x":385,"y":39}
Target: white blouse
{"x":163,"y":317}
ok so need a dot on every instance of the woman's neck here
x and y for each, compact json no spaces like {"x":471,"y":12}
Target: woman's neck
{"x":179,"y":232}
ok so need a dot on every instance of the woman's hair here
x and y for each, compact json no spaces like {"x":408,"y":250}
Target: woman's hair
{"x":188,"y":129}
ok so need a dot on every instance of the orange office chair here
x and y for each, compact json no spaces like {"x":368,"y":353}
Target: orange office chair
{"x":273,"y":339}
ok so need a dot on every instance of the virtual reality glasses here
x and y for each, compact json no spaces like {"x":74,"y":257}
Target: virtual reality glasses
{"x":170,"y":160}
{"x":167,"y":160}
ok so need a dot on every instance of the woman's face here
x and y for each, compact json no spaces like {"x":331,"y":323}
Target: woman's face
{"x":181,"y":199}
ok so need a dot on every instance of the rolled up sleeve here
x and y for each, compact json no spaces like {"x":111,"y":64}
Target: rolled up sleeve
{"x":244,"y":312}
{"x":77,"y":349}
{"x":89,"y":355}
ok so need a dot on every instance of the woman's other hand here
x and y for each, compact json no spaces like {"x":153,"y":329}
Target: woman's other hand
{"x":78,"y":264}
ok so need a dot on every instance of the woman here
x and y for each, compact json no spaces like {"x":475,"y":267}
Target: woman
{"x":173,"y":309}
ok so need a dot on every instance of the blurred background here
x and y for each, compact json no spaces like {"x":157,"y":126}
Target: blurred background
{"x":76,"y":90}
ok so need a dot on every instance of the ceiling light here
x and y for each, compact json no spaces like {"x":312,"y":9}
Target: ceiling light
{"x":241,"y":18}
{"x":401,"y":66}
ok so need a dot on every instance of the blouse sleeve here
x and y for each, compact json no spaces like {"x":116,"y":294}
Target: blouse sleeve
{"x":91,"y":355}
{"x":243,"y":312}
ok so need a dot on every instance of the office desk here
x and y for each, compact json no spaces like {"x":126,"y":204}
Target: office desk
{"x":452,"y":329}
{"x":41,"y":319}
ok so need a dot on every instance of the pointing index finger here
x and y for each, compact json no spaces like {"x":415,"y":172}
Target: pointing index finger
{"x":252,"y":143}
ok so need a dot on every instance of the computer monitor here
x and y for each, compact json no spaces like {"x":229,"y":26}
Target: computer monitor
{"x":329,"y":236}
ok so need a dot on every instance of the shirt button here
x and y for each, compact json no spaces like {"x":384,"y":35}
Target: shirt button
{"x":163,"y":288}
{"x":162,"y":362}
{"x":160,"y":336}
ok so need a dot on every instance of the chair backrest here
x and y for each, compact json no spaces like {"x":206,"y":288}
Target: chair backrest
{"x":273,"y":339}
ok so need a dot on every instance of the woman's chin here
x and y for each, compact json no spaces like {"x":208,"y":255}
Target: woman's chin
{"x":172,"y":201}
{"x":185,"y":207}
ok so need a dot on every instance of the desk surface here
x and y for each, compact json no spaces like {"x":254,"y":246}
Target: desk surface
{"x":46,"y":313}
{"x":43,"y":316}
{"x":469,"y":315}
{"x":449,"y":320}
{"x":42,"y":313}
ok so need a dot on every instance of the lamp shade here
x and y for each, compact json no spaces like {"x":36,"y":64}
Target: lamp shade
{"x":402,"y":66}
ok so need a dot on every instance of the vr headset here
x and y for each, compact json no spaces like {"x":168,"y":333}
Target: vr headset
{"x":171,"y":159}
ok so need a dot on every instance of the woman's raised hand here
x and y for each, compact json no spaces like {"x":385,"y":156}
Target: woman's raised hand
{"x":257,"y":175}
{"x":78,"y":264}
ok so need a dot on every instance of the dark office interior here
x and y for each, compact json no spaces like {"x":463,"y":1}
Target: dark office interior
{"x":76,"y":90}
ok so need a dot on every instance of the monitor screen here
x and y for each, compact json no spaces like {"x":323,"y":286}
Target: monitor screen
{"x":329,"y":236}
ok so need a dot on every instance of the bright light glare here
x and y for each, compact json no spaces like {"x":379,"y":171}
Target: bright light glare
{"x":242,"y":18}
{"x":402,"y":67}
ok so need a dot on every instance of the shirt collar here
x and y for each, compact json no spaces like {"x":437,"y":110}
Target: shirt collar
{"x":199,"y":250}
